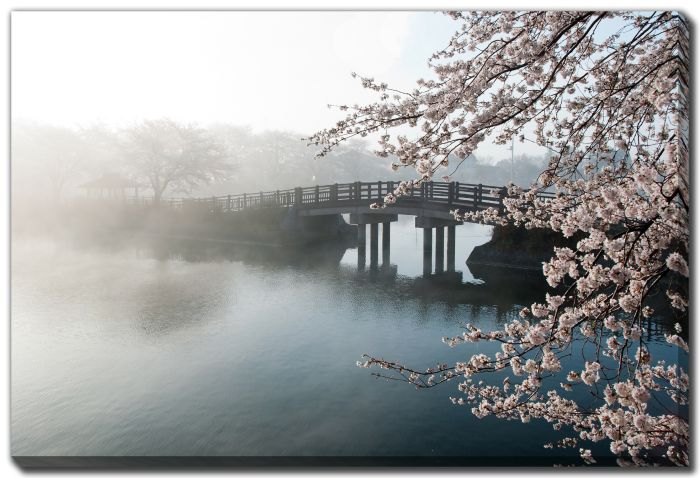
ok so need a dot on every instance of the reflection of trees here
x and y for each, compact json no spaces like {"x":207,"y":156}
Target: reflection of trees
{"x":500,"y":293}
{"x":500,"y":297}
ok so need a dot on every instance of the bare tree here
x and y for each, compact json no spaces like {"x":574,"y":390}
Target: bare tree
{"x":172,"y":156}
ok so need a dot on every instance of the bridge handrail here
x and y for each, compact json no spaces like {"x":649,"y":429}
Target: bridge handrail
{"x":474,"y":195}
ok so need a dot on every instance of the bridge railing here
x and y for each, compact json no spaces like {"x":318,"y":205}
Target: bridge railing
{"x":453,"y":194}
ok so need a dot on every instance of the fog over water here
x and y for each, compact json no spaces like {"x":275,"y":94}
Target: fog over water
{"x":139,"y":345}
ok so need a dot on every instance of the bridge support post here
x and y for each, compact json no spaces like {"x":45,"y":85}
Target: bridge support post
{"x":427,"y":251}
{"x":374,"y":245}
{"x":361,"y":246}
{"x":439,"y":250}
{"x":450,"y":248}
{"x":386,"y":243}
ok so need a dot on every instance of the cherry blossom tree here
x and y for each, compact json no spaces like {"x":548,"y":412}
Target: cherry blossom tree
{"x":606,"y":93}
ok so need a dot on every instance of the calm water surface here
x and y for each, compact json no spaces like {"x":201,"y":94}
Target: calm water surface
{"x":142,"y":346}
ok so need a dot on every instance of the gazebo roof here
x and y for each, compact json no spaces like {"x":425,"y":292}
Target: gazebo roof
{"x":109,"y":181}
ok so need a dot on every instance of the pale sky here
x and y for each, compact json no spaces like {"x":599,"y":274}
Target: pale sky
{"x":269,"y":70}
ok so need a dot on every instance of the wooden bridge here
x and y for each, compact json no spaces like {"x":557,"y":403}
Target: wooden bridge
{"x":431,"y":204}
{"x":434,"y":199}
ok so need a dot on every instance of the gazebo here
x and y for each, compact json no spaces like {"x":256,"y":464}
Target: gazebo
{"x":110,"y":186}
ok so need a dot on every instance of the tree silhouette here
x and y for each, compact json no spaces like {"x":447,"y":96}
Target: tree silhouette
{"x":172,"y":156}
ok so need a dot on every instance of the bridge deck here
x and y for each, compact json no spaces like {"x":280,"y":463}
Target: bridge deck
{"x":349,"y":197}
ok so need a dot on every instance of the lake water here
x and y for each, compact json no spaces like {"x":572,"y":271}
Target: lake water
{"x":133,"y":346}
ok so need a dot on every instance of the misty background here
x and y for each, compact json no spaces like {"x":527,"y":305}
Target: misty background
{"x":191,"y":104}
{"x":164,"y":157}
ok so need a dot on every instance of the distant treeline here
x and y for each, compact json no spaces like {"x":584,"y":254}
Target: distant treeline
{"x":166,"y":158}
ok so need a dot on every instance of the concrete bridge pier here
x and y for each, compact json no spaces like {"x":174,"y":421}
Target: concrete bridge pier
{"x":428,"y":224}
{"x":427,"y":251}
{"x":373,"y":219}
{"x":451,"y":248}
{"x":361,"y":246}
{"x":374,"y":245}
{"x":439,"y":250}
{"x":386,"y":244}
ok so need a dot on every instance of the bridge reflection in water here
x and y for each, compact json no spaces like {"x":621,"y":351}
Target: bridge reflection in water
{"x":494,"y":286}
